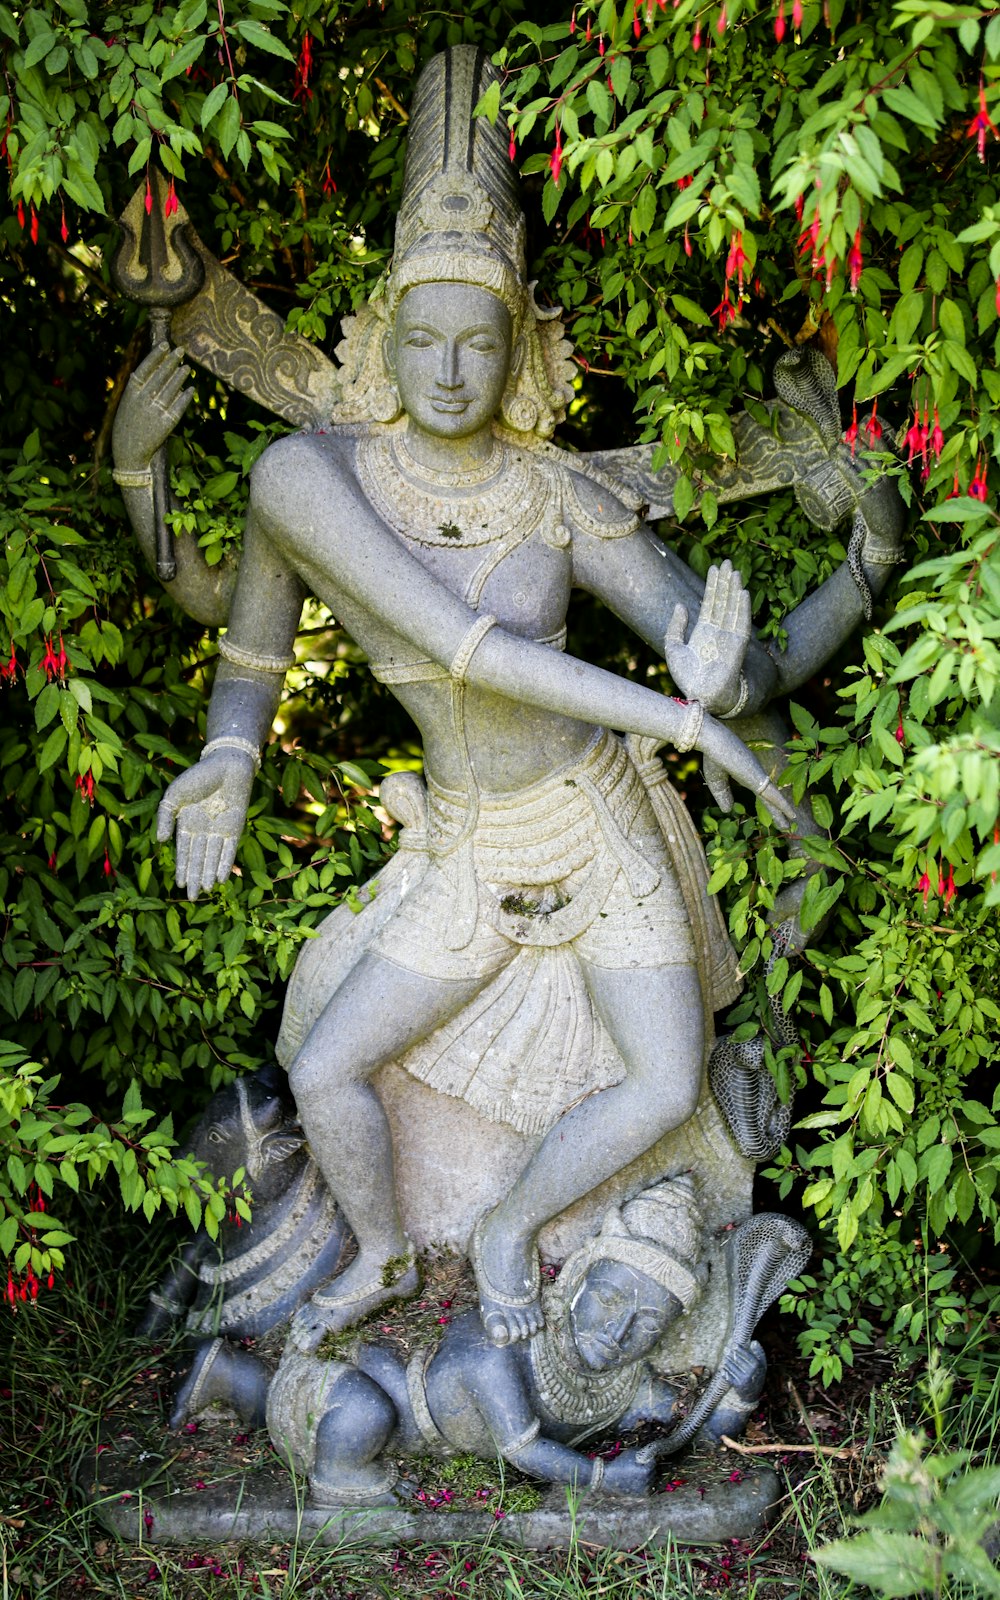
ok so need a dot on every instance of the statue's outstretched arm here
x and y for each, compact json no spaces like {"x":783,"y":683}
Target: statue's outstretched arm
{"x":644,"y":582}
{"x":308,"y":505}
{"x":311,"y":529}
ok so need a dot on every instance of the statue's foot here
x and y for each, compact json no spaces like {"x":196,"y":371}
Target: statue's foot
{"x":358,"y":1486}
{"x":352,"y":1295}
{"x":508,"y":1281}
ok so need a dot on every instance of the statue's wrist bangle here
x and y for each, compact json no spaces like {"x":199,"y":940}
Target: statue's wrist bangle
{"x":133,"y":477}
{"x":690,"y":730}
{"x":880,"y":558}
{"x":597,"y":1473}
{"x":231,"y":742}
{"x":742,"y":696}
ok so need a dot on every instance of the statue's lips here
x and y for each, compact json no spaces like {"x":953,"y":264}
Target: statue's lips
{"x":450,"y":407}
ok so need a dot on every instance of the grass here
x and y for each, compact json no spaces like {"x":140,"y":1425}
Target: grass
{"x":72,"y":1360}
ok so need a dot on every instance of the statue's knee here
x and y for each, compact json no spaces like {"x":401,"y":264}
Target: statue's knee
{"x":357,"y":1424}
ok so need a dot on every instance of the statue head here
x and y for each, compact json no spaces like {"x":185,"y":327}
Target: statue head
{"x":252,"y":1124}
{"x":621,"y":1291}
{"x":459,"y":252}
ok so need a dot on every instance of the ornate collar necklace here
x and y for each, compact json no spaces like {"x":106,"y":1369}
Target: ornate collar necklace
{"x":591,"y":1399}
{"x":433,"y":477}
{"x":504,"y":498}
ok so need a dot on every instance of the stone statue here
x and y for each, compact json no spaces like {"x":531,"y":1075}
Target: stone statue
{"x":541,"y":951}
{"x":534,"y":1403}
{"x":256,"y":1274}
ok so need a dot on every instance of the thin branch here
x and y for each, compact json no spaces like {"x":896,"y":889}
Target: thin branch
{"x":846,"y":1452}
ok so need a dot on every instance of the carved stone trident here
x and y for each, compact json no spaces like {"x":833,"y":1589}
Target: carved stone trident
{"x":156,"y":264}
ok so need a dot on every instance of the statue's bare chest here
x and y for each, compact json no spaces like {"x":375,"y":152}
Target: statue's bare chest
{"x":497,"y":543}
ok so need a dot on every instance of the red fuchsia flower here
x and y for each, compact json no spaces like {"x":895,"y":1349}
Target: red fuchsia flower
{"x":572,"y":21}
{"x":873,"y":427}
{"x":916,"y":438}
{"x":589,"y":33}
{"x":54,"y":666}
{"x":108,"y":869}
{"x":851,"y":436}
{"x":856,"y":262}
{"x":720,"y":26}
{"x":977,"y":488}
{"x":149,"y":197}
{"x":34,"y":226}
{"x":981,"y":125}
{"x":600,"y":44}
{"x":636,"y":24}
{"x":998,"y":297}
{"x":900,"y":734}
{"x":329,"y":187}
{"x":170,"y":205}
{"x":85,"y":786}
{"x":797,"y":14}
{"x":303,"y":70}
{"x":948,"y":892}
{"x":800,"y":205}
{"x":924,"y":886}
{"x":779,"y":22}
{"x":696,"y":38}
{"x":512,"y":148}
{"x":736,"y":261}
{"x":9,"y":668}
{"x":937,"y":436}
{"x":685,"y":183}
{"x":687,"y":240}
{"x":555,"y":159}
{"x":21,"y":214}
{"x":725,"y":311}
{"x":63,"y":230}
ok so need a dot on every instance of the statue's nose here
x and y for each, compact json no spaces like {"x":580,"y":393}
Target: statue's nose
{"x":450,"y":376}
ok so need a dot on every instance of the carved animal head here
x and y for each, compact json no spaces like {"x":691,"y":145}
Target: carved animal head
{"x":253,"y":1124}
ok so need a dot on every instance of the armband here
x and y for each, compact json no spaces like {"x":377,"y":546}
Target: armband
{"x":232,"y":742}
{"x":133,"y":477}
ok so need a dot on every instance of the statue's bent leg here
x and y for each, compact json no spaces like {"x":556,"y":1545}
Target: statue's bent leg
{"x":378,"y":1011}
{"x":655,"y":1017}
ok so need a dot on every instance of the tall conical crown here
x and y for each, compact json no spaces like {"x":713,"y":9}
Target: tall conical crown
{"x":460,"y":220}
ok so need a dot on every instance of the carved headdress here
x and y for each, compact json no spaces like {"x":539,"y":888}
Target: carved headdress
{"x":460,"y":221}
{"x":658,"y":1234}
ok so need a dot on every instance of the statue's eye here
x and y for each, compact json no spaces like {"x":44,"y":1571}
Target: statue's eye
{"x":483,"y":347}
{"x":417,"y":341}
{"x":216,"y":1136}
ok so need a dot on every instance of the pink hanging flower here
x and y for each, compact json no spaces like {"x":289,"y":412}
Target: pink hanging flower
{"x":856,"y":262}
{"x":736,"y":261}
{"x":779,"y":22}
{"x":925,"y":886}
{"x":916,"y":438}
{"x":977,"y":488}
{"x":797,"y":14}
{"x":937,"y":437}
{"x":720,"y":26}
{"x":555,"y":159}
{"x":981,"y":125}
{"x":63,"y":229}
{"x":696,"y":38}
{"x":149,"y":196}
{"x":170,"y":205}
{"x":725,"y":311}
{"x":873,"y":427}
{"x":851,"y":436}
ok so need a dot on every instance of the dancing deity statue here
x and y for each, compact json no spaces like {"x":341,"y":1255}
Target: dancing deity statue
{"x":541,"y":946}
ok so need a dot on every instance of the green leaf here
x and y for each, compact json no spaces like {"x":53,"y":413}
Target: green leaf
{"x":690,"y":310}
{"x":39,"y":48}
{"x":185,"y":57}
{"x":214,"y":100}
{"x":896,"y":1564}
{"x":256,"y":34}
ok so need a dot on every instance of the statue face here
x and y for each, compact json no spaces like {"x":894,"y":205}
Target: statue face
{"x":450,"y":354}
{"x":619,"y":1315}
